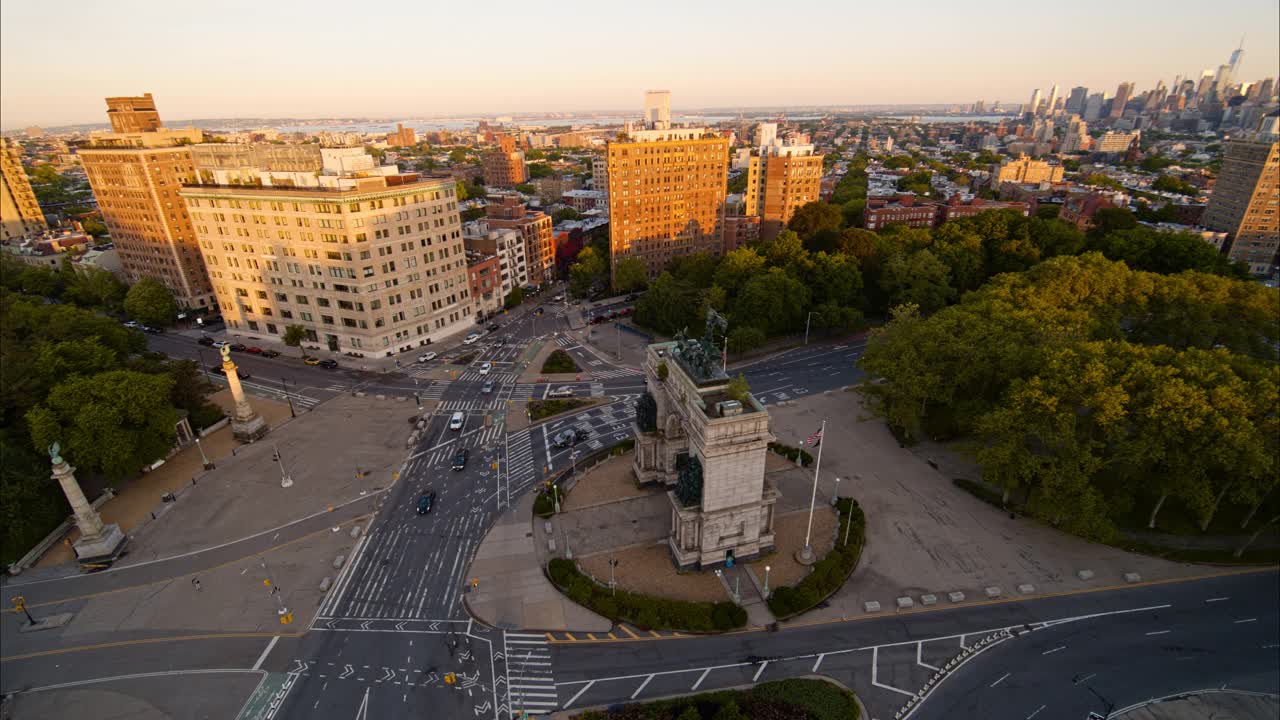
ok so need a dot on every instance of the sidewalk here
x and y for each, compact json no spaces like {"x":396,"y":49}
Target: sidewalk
{"x":514,"y":593}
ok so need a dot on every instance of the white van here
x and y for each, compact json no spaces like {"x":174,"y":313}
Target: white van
{"x":456,"y":422}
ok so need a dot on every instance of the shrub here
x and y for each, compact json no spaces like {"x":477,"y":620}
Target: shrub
{"x":644,"y":611}
{"x":830,"y":572}
{"x":560,"y":362}
{"x":663,"y":371}
{"x":540,"y":409}
{"x":544,"y":505}
{"x":791,"y":453}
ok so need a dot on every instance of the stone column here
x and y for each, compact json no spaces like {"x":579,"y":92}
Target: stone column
{"x":98,"y":542}
{"x":246,"y":424}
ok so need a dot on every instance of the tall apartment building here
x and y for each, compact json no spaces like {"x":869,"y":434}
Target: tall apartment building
{"x":657,"y":109}
{"x":666,"y":193}
{"x":365,"y":259}
{"x":508,"y":246}
{"x":506,"y":212}
{"x":1024,"y":170}
{"x":600,"y":174}
{"x":504,"y":167}
{"x":1116,"y":142}
{"x":136,"y":171}
{"x":1246,"y":203}
{"x":402,"y":137}
{"x":20,"y":214}
{"x":1076,"y":100}
{"x":1121,"y":99}
{"x":779,"y":180}
{"x":1077,"y":137}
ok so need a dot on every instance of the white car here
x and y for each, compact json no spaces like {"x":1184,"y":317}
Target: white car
{"x":427,"y":358}
{"x":561,"y":392}
{"x":220,"y":344}
{"x":557,"y":298}
{"x":485,"y":368}
{"x":456,"y":422}
{"x":471,"y":338}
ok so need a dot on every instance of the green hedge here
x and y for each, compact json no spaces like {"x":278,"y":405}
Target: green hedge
{"x":830,"y":572}
{"x":795,"y":699}
{"x":560,"y":362}
{"x":542,"y":409}
{"x":790,"y":453}
{"x":644,"y":611}
{"x":544,"y":505}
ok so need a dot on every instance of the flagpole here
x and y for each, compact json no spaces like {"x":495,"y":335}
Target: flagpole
{"x":806,"y":555}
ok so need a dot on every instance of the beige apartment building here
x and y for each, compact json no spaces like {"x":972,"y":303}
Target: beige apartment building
{"x":20,"y":214}
{"x":779,"y":180}
{"x":666,"y":193}
{"x":136,"y":171}
{"x":1245,"y":203}
{"x":504,"y":167}
{"x":505,"y":211}
{"x":365,"y":259}
{"x":1024,"y":170}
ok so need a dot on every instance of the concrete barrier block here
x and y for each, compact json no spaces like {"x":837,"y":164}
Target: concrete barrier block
{"x":379,"y":396}
{"x":1132,"y":577}
{"x":325,"y":583}
{"x":401,"y":398}
{"x":956,"y":596}
{"x":871,"y":606}
{"x":1026,"y":588}
{"x":905,"y":603}
{"x":928,"y":600}
{"x":337,"y":562}
{"x":551,"y":544}
{"x":360,"y":393}
{"x":992,"y":591}
{"x":355,"y":531}
{"x":1085,"y":574}
{"x":546,"y":526}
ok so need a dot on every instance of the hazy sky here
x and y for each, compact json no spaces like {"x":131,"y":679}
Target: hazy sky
{"x":60,"y":58}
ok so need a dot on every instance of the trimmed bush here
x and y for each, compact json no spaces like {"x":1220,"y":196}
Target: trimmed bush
{"x":790,"y":453}
{"x":541,"y":409}
{"x":544,"y":505}
{"x":560,"y":362}
{"x":644,"y":611}
{"x":830,"y":572}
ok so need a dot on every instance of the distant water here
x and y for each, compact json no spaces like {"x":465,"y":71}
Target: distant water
{"x":929,"y":119}
{"x":470,"y":123}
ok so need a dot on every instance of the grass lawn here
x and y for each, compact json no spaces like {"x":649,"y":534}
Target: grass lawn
{"x":560,"y":361}
{"x":542,"y":409}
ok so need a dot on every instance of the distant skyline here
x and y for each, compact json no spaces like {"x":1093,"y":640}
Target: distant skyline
{"x":60,"y":58}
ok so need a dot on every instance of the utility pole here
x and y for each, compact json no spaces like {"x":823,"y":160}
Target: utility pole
{"x":285,"y":480}
{"x":286,"y":617}
{"x":618,"y":327}
{"x":806,"y":327}
{"x":613,"y":586}
{"x":807,"y":553}
{"x":287,"y":397}
{"x":203,"y":458}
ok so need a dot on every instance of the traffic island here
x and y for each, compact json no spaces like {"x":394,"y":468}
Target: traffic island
{"x":821,"y":699}
{"x":644,"y":611}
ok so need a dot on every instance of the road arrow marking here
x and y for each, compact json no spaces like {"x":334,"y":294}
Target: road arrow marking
{"x":365,"y":625}
{"x":347,"y":671}
{"x":301,"y":667}
{"x":400,"y":626}
{"x":482,"y":709}
{"x":331,"y":623}
{"x":390,"y":675}
{"x":435,"y":626}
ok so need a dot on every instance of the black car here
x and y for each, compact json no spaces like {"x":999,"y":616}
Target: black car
{"x":493,"y":327}
{"x":240,"y":372}
{"x":569,"y":437}
{"x":238,"y":347}
{"x":151,"y":330}
{"x":206,"y":341}
{"x":329,"y":363}
{"x":460,"y":459}
{"x":270,"y":353}
{"x":426,"y":501}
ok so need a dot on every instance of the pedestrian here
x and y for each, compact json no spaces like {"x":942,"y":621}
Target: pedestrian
{"x":195,"y":583}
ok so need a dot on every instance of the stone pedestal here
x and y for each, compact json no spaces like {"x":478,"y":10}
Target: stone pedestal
{"x":98,"y":542}
{"x":246,"y":424}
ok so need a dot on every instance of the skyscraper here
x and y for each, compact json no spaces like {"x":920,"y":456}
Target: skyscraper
{"x":19,"y":212}
{"x":364,"y":258}
{"x":1053,"y":100}
{"x":666,"y":194}
{"x":136,"y":171}
{"x":1075,"y":101}
{"x":780,"y":179}
{"x":1093,"y":107}
{"x":1243,"y":203}
{"x":657,"y":109}
{"x":1122,"y":97}
{"x":1033,"y":107}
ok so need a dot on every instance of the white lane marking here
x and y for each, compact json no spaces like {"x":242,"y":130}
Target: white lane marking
{"x":579,"y":693}
{"x":875,"y":662}
{"x":1002,"y":677}
{"x":637,"y":692}
{"x":817,"y":662}
{"x":701,"y":677}
{"x":1060,"y":621}
{"x":1159,"y":632}
{"x":164,"y":673}
{"x":1050,"y":652}
{"x":919,"y":647}
{"x":1217,"y":599}
{"x":1037,"y":712}
{"x":763,"y":665}
{"x":1246,"y":620}
{"x":266,"y":652}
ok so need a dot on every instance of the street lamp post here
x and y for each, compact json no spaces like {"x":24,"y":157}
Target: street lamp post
{"x":766,"y":582}
{"x":288,"y":397}
{"x":613,"y":586}
{"x":806,"y":326}
{"x":285,"y":480}
{"x":203,"y":458}
{"x":835,"y":496}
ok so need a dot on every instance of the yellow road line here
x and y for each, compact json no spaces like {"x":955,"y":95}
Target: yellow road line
{"x":551,"y":638}
{"x":612,"y":636}
{"x":654,"y":633}
{"x":147,"y":641}
{"x":627,"y":630}
{"x":592,"y":636}
{"x":571,"y":637}
{"x":173,"y":577}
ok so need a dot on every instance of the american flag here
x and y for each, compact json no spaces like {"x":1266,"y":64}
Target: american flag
{"x":815,"y":439}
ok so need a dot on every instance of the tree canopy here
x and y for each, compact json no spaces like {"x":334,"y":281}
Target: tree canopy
{"x":151,"y":303}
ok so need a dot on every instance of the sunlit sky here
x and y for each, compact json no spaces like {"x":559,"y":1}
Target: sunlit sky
{"x":60,"y":58}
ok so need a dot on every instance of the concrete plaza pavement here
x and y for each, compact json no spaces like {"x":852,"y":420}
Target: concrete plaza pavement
{"x":927,"y":536}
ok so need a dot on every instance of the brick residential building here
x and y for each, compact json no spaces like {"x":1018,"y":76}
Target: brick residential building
{"x":1246,"y":203}
{"x":485,"y":274}
{"x":1024,"y":170}
{"x":920,"y":213}
{"x":402,"y":137}
{"x":504,"y":167}
{"x":505,"y":211}
{"x":20,"y":214}
{"x":779,"y":180}
{"x":740,"y":230}
{"x":1079,"y":208}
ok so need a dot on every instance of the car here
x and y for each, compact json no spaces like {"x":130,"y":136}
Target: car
{"x":255,"y":350}
{"x":311,"y":360}
{"x":494,"y":327}
{"x":563,"y":391}
{"x":632,"y":297}
{"x":329,"y":364}
{"x":238,"y":347}
{"x":426,"y":501}
{"x":133,"y":324}
{"x":206,"y":341}
{"x":485,"y":368}
{"x":150,"y":330}
{"x":270,"y":353}
{"x":428,"y":357}
{"x":220,"y":344}
{"x":471,"y":339}
{"x":558,"y":298}
{"x":457,"y":421}
{"x":568,"y":437}
{"x":487,"y":388}
{"x":460,"y":459}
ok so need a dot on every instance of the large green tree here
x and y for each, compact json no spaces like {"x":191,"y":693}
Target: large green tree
{"x":151,"y":303}
{"x":630,"y":274}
